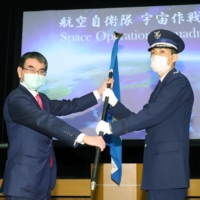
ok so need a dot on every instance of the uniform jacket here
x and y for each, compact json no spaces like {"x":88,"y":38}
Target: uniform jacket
{"x":166,"y":118}
{"x":30,"y":131}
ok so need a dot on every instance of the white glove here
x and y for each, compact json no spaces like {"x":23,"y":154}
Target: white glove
{"x":104,"y":127}
{"x":112,"y":98}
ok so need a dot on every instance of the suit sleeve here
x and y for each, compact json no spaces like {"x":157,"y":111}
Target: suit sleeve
{"x":24,"y":112}
{"x":168,"y":100}
{"x":66,"y":107}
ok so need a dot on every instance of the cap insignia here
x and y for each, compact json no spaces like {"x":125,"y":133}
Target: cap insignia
{"x":157,"y":34}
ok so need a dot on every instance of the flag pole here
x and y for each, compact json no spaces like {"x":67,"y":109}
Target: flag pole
{"x":98,"y":152}
{"x":103,"y":117}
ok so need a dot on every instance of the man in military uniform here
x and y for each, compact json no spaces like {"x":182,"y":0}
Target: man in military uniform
{"x":166,"y":118}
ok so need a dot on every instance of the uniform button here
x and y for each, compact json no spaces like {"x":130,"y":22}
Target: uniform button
{"x":145,"y":145}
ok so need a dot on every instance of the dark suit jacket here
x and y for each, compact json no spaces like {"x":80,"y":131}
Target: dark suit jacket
{"x":30,"y":131}
{"x":166,"y":118}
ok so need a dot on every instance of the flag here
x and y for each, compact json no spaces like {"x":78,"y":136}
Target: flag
{"x":115,"y":142}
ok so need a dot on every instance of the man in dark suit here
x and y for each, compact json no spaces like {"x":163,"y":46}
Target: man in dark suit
{"x":31,"y":123}
{"x":166,"y":118}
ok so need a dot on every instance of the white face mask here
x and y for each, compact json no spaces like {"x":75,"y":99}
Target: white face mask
{"x":33,"y":81}
{"x":159,"y":64}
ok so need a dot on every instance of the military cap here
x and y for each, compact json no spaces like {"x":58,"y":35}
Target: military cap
{"x":165,"y":39}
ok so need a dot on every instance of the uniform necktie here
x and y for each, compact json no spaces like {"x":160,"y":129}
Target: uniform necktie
{"x":158,"y":85}
{"x":39,"y":101}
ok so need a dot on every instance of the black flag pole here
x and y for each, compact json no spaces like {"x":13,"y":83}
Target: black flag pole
{"x":98,"y":151}
{"x":103,"y":117}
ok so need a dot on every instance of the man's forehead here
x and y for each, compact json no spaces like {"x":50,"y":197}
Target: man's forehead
{"x":160,"y":49}
{"x":34,"y":63}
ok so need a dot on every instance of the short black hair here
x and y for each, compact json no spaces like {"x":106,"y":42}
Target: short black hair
{"x":33,"y":54}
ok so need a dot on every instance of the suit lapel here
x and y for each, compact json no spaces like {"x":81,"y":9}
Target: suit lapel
{"x":160,"y":85}
{"x":29,"y":95}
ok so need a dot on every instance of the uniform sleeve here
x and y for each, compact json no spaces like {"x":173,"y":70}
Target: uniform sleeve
{"x":171,"y":96}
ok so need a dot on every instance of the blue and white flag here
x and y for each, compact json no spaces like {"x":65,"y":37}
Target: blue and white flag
{"x":115,"y":142}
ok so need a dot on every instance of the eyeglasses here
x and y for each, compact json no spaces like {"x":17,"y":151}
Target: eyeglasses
{"x":31,"y":70}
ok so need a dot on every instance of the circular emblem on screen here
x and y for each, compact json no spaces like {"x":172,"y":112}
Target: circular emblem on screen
{"x":157,"y":34}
